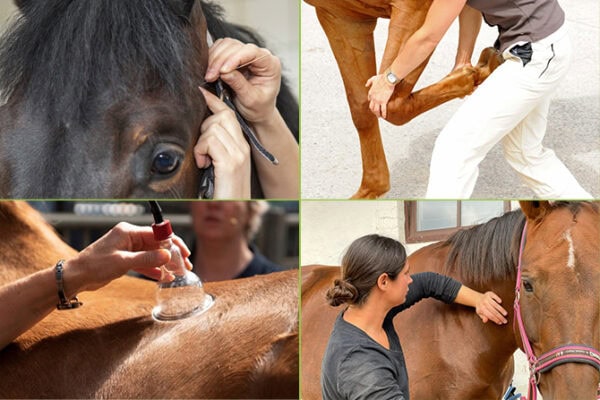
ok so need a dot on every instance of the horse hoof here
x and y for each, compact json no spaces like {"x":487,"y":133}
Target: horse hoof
{"x":365,"y":193}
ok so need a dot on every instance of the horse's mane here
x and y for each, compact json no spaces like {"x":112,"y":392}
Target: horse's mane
{"x":488,"y":251}
{"x":62,"y":55}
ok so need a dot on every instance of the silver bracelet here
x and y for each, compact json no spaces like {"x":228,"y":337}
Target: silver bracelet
{"x":63,"y":302}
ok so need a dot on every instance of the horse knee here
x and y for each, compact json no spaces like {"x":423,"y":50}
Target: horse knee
{"x":362,"y":118}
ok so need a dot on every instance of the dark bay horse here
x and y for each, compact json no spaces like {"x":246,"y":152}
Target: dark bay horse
{"x":100,"y":97}
{"x":450,"y":353}
{"x":245,"y":346}
{"x":349,"y":27}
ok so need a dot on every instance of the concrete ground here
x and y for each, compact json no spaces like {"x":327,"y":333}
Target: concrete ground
{"x":331,"y":163}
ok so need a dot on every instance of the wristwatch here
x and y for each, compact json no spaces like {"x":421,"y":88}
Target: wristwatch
{"x":391,"y":77}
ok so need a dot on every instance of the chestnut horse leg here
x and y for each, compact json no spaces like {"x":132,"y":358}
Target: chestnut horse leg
{"x":352,"y":43}
{"x":404,"y":105}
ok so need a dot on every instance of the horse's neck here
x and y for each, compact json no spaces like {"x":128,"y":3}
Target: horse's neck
{"x":28,"y":243}
{"x":434,"y":260}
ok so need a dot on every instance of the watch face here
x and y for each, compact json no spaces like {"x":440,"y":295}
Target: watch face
{"x":393,"y":79}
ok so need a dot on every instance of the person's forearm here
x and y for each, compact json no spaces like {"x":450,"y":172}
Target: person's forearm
{"x":468,"y":297}
{"x":421,"y":44}
{"x":416,"y":50}
{"x":27,"y":301}
{"x":469,"y":26}
{"x":278,"y":181}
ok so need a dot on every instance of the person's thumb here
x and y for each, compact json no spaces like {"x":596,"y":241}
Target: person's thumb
{"x":236,"y":81}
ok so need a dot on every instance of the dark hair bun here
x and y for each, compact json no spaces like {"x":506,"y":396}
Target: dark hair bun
{"x":342,"y":292}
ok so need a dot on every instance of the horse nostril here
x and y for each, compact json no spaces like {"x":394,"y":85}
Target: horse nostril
{"x":165,"y":162}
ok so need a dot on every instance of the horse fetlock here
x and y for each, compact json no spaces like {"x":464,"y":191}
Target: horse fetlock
{"x":489,"y":60}
{"x":373,"y":187}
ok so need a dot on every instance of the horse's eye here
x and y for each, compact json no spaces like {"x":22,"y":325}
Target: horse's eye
{"x":527,"y":285}
{"x":166,"y":161}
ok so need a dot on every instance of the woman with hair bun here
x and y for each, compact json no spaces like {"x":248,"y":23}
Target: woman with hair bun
{"x":364,"y":359}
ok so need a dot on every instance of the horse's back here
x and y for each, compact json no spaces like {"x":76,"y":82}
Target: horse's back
{"x":111,"y":347}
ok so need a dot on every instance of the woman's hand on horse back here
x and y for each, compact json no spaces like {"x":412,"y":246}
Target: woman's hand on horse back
{"x":223,"y":145}
{"x":252,"y":72}
{"x":489,"y":309}
{"x":123,"y":248}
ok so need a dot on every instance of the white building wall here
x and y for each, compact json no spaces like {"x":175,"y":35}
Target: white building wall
{"x":328,"y":227}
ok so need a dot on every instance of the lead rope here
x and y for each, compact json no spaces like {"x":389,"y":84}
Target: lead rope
{"x":207,"y":179}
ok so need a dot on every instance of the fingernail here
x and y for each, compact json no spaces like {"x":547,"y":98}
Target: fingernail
{"x":210,"y":73}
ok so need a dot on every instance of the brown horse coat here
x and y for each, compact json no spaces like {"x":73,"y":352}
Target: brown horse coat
{"x":245,"y":346}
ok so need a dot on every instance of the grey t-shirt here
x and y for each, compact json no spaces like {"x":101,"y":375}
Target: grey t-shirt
{"x":520,"y":20}
{"x":355,"y":367}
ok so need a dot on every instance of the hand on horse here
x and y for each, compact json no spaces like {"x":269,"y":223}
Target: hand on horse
{"x":256,"y":85}
{"x":379,"y":94}
{"x":489,"y":309}
{"x":123,"y":248}
{"x":223,"y":145}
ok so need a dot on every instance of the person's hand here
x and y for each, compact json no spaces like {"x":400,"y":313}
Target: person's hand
{"x":256,"y":85}
{"x":123,"y":248}
{"x":223,"y":145}
{"x":459,"y":65}
{"x":379,"y":94}
{"x":489,"y":309}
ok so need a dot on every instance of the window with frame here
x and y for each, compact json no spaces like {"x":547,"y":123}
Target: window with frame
{"x":427,"y":221}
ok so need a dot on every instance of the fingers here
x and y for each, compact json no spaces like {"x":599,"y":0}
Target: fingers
{"x":215,"y":105}
{"x":221,"y":138}
{"x":379,"y":95}
{"x":145,"y":259}
{"x":227,"y":54}
{"x":222,"y":143}
{"x":185,"y":251}
{"x":491,"y":309}
{"x":152,"y":273}
{"x":380,"y":110}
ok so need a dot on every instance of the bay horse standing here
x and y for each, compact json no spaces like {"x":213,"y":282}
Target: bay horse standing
{"x":449,"y":352}
{"x":245,"y":346}
{"x":100,"y":98}
{"x":349,"y":27}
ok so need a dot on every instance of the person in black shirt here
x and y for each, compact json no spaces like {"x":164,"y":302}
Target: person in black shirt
{"x":364,"y":359}
{"x":223,"y":232}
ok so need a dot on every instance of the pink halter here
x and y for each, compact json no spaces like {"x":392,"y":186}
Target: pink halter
{"x":559,"y":355}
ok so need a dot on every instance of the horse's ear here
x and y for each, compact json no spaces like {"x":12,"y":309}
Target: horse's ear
{"x":535,"y":210}
{"x":23,"y":5}
{"x":182,"y":8}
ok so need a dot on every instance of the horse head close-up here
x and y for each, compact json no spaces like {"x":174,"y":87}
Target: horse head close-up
{"x":101,"y":98}
{"x":244,"y":346}
{"x":546,"y":256}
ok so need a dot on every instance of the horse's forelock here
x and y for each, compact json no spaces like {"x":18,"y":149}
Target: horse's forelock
{"x":488,"y":251}
{"x":64,"y":54}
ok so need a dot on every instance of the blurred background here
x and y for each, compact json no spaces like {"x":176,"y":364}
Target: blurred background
{"x":82,"y":222}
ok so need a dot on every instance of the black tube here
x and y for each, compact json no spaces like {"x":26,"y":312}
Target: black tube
{"x":156,"y":211}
